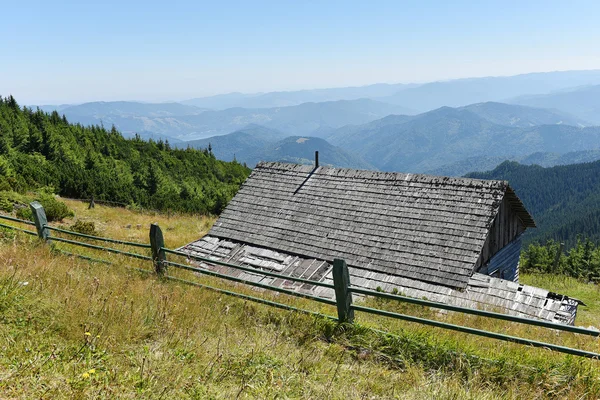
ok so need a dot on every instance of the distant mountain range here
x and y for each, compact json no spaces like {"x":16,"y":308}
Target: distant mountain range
{"x":447,"y":135}
{"x":461,"y":92}
{"x":256,"y":143}
{"x":241,"y":144}
{"x":132,"y":109}
{"x":301,"y":150}
{"x":545,"y":118}
{"x":521,"y":116}
{"x":446,"y":141}
{"x":583,"y":102}
{"x":543,"y":159}
{"x":337,"y":107}
{"x":150,"y":120}
{"x":414,"y":97}
{"x":293,"y":98}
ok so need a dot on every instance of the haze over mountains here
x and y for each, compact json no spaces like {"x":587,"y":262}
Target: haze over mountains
{"x":419,"y":98}
{"x":448,"y":127}
{"x":255,"y":143}
{"x":196,"y":123}
{"x":446,"y":135}
{"x":583,"y":102}
{"x":284,"y":99}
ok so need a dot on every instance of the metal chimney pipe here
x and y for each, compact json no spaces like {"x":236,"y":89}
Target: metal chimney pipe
{"x":316,"y":159}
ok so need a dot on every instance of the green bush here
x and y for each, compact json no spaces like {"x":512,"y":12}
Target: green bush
{"x":55,"y":210}
{"x":87,"y":228}
{"x":25,"y":213}
{"x":581,"y":261}
{"x":7,"y":234}
{"x":8,"y":199}
{"x":5,"y":203}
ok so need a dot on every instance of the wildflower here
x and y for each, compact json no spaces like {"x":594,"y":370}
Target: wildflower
{"x":87,"y":334}
{"x":92,"y":371}
{"x":85,"y":375}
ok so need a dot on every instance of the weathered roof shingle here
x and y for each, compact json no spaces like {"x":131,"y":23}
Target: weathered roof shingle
{"x":416,"y":226}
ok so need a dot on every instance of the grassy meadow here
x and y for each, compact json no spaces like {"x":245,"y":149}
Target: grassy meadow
{"x":71,"y":328}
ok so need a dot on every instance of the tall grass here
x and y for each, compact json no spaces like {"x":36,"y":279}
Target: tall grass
{"x":76,"y":329}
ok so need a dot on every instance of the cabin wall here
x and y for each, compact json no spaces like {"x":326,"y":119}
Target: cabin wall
{"x":505,"y":263}
{"x":505,"y":228}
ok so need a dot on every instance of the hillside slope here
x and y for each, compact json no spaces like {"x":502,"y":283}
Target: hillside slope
{"x":74,"y":329}
{"x":461,"y":92}
{"x":185,"y":122}
{"x":564,"y":200}
{"x":522,"y":116}
{"x":583,"y":102}
{"x":541,"y":158}
{"x":239,"y":144}
{"x":301,"y":150}
{"x":38,"y":149}
{"x":447,"y":135}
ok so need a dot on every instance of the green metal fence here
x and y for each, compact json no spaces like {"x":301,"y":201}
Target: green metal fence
{"x":342,"y":287}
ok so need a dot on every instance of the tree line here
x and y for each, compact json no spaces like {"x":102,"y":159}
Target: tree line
{"x":39,"y":149}
{"x":581,"y":261}
{"x":563,"y":200}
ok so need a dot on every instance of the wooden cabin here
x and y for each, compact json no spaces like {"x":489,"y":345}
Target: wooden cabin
{"x":451,"y":240}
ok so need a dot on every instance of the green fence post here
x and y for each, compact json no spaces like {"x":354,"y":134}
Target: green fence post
{"x":343,"y":296}
{"x":159,"y":257}
{"x":39,"y":217}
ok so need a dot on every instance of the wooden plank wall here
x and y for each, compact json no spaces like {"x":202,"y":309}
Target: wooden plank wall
{"x":504,"y":229}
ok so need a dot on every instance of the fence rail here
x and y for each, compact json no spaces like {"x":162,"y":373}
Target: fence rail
{"x":342,"y":286}
{"x":23,"y":221}
{"x":472,"y":311}
{"x":248,"y":269}
{"x":252,"y":283}
{"x":478,"y":332}
{"x":95,"y":247}
{"x":83,"y":235}
{"x":18,"y":229}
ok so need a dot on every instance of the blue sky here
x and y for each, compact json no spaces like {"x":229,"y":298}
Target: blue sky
{"x":75,"y":51}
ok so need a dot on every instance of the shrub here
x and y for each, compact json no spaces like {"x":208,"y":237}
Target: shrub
{"x":8,"y":200}
{"x":25,"y":213}
{"x":5,"y":203}
{"x":55,"y":210}
{"x":581,"y":261}
{"x":87,"y":228}
{"x":7,"y":234}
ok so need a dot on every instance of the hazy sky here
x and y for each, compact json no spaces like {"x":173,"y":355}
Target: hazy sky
{"x":74,"y":51}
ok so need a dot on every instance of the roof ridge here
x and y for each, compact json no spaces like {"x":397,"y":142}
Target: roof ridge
{"x":448,"y":180}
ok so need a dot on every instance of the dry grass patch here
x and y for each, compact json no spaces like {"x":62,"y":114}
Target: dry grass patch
{"x":125,"y":224}
{"x":75,"y":329}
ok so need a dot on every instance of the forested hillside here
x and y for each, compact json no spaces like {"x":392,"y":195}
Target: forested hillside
{"x":43,"y":149}
{"x":256,"y":143}
{"x":452,"y":139}
{"x":239,"y":144}
{"x":301,"y":150}
{"x":564,"y":200}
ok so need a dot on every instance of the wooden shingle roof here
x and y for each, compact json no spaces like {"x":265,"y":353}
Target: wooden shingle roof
{"x":417,"y":226}
{"x":482,"y":291}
